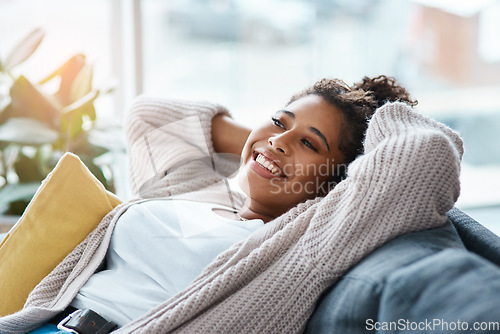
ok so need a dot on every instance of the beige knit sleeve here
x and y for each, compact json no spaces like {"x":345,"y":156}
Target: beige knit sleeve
{"x":406,"y":181}
{"x":169,"y":143}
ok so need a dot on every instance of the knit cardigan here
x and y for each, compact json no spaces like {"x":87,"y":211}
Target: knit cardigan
{"x":406,"y":181}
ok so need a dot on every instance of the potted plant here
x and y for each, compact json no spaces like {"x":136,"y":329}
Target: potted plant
{"x":37,"y":127}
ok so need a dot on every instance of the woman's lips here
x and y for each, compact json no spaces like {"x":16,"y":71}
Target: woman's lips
{"x":266,"y":167}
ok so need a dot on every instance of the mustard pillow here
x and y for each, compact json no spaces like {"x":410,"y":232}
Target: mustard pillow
{"x":69,"y":204}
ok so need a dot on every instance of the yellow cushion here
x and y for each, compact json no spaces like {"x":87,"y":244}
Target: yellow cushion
{"x":69,"y":204}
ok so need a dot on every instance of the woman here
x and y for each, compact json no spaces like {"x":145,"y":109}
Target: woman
{"x":303,"y":222}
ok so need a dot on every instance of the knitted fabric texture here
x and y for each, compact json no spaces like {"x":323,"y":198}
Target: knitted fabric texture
{"x":406,"y":181}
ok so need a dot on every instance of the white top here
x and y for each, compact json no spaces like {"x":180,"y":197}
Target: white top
{"x":157,"y":248}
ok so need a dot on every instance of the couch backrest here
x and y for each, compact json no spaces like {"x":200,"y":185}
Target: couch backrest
{"x":476,"y":237}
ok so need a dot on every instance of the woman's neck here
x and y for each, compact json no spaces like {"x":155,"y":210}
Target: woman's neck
{"x":252,"y":211}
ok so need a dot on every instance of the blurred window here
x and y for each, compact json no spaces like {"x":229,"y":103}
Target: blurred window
{"x":253,"y":55}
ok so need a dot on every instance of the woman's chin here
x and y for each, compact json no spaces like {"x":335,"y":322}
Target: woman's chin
{"x":251,"y":184}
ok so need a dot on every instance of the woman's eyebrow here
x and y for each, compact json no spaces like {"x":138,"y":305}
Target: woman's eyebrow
{"x":313,"y":129}
{"x":319,"y":134}
{"x":287,"y":112}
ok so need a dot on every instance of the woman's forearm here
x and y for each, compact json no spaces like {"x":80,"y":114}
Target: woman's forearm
{"x":228,"y":136}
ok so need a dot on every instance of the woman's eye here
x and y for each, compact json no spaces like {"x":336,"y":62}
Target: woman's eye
{"x":277,"y":122}
{"x":307,"y":143}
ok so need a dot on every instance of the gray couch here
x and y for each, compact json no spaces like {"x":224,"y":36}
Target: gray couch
{"x":445,"y":280}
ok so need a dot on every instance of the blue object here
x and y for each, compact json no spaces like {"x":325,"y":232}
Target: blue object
{"x":47,"y":329}
{"x":444,"y":280}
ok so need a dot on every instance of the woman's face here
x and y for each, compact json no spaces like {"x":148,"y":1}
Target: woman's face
{"x":292,"y":156}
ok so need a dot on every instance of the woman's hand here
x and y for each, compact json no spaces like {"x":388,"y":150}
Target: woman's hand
{"x":228,"y":136}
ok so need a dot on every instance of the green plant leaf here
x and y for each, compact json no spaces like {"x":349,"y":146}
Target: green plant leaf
{"x":27,"y":169}
{"x":6,"y":113}
{"x":72,"y":119}
{"x":27,"y":131}
{"x":45,"y":158}
{"x":76,"y":125}
{"x":13,"y":193}
{"x":17,"y":208}
{"x":82,"y":147}
{"x":68,"y":72}
{"x":82,"y":102}
{"x":24,"y":49}
{"x":28,"y":101}
{"x":82,"y":85}
{"x":90,"y":112}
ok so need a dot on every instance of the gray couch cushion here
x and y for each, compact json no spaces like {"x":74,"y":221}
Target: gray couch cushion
{"x":386,"y":284}
{"x":441,"y":290}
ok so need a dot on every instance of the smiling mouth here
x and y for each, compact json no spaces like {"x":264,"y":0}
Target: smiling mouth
{"x":268,"y":164}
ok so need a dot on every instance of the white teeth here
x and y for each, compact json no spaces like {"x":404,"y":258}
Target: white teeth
{"x":268,"y":165}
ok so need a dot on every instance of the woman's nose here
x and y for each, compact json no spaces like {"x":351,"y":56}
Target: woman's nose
{"x":279,"y":143}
